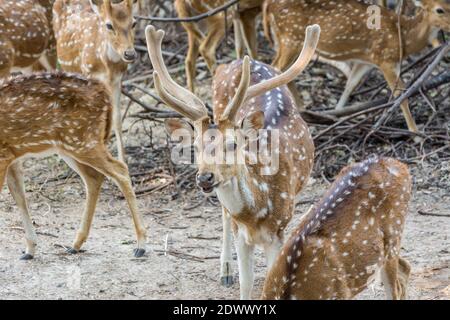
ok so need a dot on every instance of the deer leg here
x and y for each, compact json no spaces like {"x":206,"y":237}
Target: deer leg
{"x":272,"y":250}
{"x":226,"y":271}
{"x":93,"y":181}
{"x":390,"y":276}
{"x":342,"y":66}
{"x":216,"y":27}
{"x":191,"y":60}
{"x":285,"y":56}
{"x":248,"y":19}
{"x":102,"y":161}
{"x":238,"y":36}
{"x":245,"y":261}
{"x":117,"y":117}
{"x":46,"y":62}
{"x":391,"y":74}
{"x":404,"y":270}
{"x":436,"y":43}
{"x":358,"y":71}
{"x":16,"y":187}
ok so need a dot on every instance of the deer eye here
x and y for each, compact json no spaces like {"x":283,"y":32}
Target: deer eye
{"x":440,"y":11}
{"x":134,"y":25}
{"x":109,"y":26}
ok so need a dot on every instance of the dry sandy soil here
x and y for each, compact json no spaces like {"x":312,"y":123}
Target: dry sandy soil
{"x":183,"y":262}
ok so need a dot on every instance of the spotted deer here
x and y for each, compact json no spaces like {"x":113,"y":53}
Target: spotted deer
{"x":408,"y":7}
{"x":66,"y":114}
{"x":49,"y":60}
{"x":354,"y":232}
{"x":25,"y":34}
{"x":257,"y":202}
{"x":244,"y":21}
{"x":96,"y":38}
{"x":348,"y":38}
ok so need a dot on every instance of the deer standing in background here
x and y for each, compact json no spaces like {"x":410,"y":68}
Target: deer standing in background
{"x":348,"y":38}
{"x":96,"y":38}
{"x":50,"y":58}
{"x":25,"y":35}
{"x":409,"y":8}
{"x":70,"y":116}
{"x":244,"y":20}
{"x":353,"y":232}
{"x":257,"y":202}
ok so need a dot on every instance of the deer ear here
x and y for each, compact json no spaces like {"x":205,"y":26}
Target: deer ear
{"x":95,"y":5}
{"x":254,"y":121}
{"x":418,"y":3}
{"x":177,"y":128}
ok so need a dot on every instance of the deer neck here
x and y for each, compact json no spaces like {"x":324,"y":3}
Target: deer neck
{"x":416,"y":33}
{"x":236,"y":194}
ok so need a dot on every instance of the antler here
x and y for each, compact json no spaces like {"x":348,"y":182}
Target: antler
{"x":174,"y":95}
{"x":241,"y":92}
{"x":309,"y":47}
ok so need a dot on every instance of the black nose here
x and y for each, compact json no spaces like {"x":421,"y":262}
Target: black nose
{"x":130,"y":55}
{"x":205,"y":180}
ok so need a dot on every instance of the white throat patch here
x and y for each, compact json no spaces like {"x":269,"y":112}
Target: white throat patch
{"x":112,"y":54}
{"x":234,"y":195}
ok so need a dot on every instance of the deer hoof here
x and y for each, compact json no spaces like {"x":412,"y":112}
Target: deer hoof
{"x":72,"y":251}
{"x":139,"y":252}
{"x":227,"y":281}
{"x":26,"y":257}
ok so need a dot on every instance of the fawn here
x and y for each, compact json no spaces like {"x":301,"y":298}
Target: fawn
{"x":71,"y":116}
{"x":96,"y":38}
{"x":244,"y":21}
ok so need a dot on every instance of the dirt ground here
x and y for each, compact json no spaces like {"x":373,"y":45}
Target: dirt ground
{"x":182,"y":261}
{"x":184,"y":245}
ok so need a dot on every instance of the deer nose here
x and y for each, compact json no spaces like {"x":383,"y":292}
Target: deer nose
{"x":130,"y":55}
{"x":205,"y":180}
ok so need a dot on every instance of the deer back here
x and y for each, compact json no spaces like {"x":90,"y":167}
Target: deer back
{"x":347,"y":34}
{"x":52,"y":110}
{"x":340,"y":244}
{"x":24,"y":34}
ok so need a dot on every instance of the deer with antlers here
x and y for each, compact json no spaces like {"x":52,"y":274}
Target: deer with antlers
{"x":257,"y":199}
{"x":96,"y":38}
{"x":244,"y":21}
{"x":348,"y":37}
{"x":354,"y":232}
{"x":71,"y":116}
{"x":25,"y":35}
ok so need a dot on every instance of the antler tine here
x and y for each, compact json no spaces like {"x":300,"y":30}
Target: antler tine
{"x":309,"y":47}
{"x":241,"y":92}
{"x":172,"y":101}
{"x":176,"y":97}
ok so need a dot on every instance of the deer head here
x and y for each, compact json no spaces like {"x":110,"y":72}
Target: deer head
{"x":227,"y":126}
{"x":116,"y":17}
{"x":437,"y":11}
